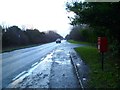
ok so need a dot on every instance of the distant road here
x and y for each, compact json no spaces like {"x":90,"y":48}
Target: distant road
{"x":15,"y":62}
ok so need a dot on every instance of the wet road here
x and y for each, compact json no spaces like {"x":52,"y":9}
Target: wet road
{"x":62,"y":71}
{"x":15,"y":62}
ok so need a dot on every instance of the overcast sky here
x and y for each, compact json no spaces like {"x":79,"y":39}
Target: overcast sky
{"x":41,"y":14}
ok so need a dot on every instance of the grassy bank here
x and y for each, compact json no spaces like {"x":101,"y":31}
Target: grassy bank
{"x":76,"y":42}
{"x":85,"y":43}
{"x":109,"y":78}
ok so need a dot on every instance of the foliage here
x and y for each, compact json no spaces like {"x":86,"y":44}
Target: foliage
{"x":75,"y":34}
{"x":13,"y":36}
{"x":52,"y":35}
{"x":102,"y":17}
{"x":80,"y":33}
{"x":95,"y":14}
{"x":89,"y":35}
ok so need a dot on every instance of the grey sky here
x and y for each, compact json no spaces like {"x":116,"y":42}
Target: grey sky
{"x":41,"y":14}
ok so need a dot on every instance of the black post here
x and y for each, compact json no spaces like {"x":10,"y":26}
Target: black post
{"x":102,"y":55}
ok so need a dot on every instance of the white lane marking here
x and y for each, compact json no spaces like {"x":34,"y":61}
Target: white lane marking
{"x":42,"y":58}
{"x":19,"y":75}
{"x":20,"y":79}
{"x":34,"y":64}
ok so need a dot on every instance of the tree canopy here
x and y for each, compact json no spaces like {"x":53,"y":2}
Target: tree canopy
{"x":103,"y":17}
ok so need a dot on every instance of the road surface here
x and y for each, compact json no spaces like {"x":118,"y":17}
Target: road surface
{"x":17,"y":62}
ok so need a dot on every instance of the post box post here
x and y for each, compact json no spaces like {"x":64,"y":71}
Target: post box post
{"x":102,"y":48}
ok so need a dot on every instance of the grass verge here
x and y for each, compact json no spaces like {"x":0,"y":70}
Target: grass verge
{"x":76,"y":42}
{"x":109,"y":78}
{"x":84,"y":43}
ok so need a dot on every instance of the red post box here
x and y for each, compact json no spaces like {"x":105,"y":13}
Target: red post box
{"x":102,"y":44}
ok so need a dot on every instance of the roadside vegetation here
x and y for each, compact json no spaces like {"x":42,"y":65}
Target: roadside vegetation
{"x":109,"y":77}
{"x":77,"y":42}
{"x":14,"y":37}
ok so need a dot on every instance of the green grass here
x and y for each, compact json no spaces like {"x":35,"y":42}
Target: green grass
{"x":80,"y":42}
{"x":109,"y":78}
{"x":76,"y":42}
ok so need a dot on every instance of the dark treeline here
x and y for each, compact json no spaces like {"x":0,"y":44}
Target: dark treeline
{"x":83,"y":33}
{"x":14,"y":36}
{"x":79,"y":33}
{"x":101,"y":20}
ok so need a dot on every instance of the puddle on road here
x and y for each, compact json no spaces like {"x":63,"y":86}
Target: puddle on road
{"x":59,"y":50}
{"x":63,"y":62}
{"x":62,"y":75}
{"x":60,"y":55}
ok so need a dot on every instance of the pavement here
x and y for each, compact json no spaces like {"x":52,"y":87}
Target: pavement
{"x":62,"y":72}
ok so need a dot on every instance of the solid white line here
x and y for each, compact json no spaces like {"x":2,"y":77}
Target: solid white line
{"x":42,"y":58}
{"x":34,"y":64}
{"x":19,"y":75}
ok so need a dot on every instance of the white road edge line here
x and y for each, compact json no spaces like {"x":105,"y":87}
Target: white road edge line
{"x":34,"y":64}
{"x":42,"y":58}
{"x":19,"y":75}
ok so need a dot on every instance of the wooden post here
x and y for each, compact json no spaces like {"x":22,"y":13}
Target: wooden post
{"x":102,"y":61}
